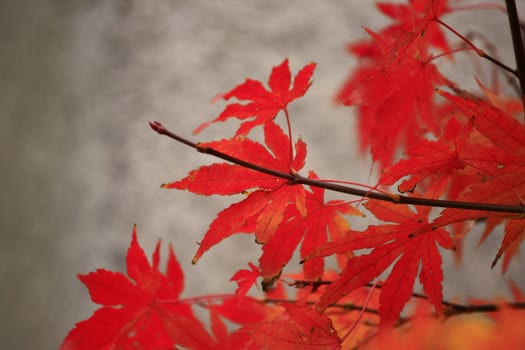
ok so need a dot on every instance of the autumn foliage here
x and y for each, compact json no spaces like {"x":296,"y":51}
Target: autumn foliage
{"x":462,"y":162}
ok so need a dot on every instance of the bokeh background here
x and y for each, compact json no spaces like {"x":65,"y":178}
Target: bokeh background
{"x":81,"y":79}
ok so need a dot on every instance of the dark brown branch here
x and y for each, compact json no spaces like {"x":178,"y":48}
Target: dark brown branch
{"x":481,"y":53}
{"x":346,"y":306}
{"x":517,"y":43}
{"x":499,"y":63}
{"x":298,"y":179}
{"x":451,"y":309}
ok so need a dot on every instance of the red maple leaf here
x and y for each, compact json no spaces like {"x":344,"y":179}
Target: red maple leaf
{"x":499,"y":160}
{"x":132,"y":311}
{"x":245,"y":279}
{"x":395,"y":106}
{"x":414,"y":23}
{"x":300,"y":327}
{"x":408,"y":243}
{"x":395,"y":99}
{"x":517,"y":293}
{"x":501,"y":180}
{"x":433,"y":164}
{"x":324,"y":220}
{"x":267,"y":197}
{"x":502,"y":129}
{"x":514,"y":235}
{"x":242,"y":311}
{"x":394,"y":86}
{"x":263,"y":105}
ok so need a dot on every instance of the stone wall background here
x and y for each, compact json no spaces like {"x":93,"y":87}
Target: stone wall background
{"x":80,"y":165}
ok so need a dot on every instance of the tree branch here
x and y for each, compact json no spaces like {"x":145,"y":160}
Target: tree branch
{"x":452,"y":309}
{"x":481,"y":53}
{"x":345,"y":306}
{"x":298,"y":179}
{"x":517,"y":43}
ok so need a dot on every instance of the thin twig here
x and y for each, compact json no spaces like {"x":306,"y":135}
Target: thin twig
{"x":452,"y":309}
{"x":481,"y":53}
{"x":345,"y":306}
{"x":517,"y":43}
{"x":295,"y":179}
{"x":356,"y":322}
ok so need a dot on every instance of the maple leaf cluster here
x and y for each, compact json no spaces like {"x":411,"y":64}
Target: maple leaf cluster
{"x":462,"y":151}
{"x":144,"y":310}
{"x":280,"y":213}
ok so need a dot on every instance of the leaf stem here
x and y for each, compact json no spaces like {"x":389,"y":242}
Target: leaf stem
{"x":365,"y":305}
{"x":289,"y":125}
{"x":296,"y":179}
{"x":517,"y":43}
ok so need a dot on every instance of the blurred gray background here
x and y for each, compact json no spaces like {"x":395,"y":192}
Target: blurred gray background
{"x":80,"y":166}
